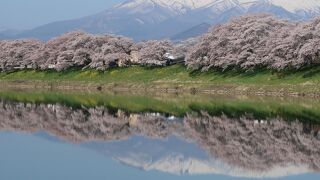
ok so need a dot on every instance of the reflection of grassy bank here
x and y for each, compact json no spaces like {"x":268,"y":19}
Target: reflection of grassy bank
{"x":303,"y":109}
{"x":175,"y":77}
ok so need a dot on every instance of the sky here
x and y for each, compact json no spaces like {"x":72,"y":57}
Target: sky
{"x":26,"y":14}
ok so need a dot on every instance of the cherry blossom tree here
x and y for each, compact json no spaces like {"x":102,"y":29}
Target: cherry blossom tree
{"x":21,"y":54}
{"x":152,"y":53}
{"x":258,"y":41}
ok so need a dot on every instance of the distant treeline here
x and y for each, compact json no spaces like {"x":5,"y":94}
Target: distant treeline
{"x":246,"y":42}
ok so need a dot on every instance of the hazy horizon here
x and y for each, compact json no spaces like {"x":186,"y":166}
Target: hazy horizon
{"x":21,"y":14}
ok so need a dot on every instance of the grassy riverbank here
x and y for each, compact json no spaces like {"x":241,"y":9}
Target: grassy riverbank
{"x":176,"y":77}
{"x":298,"y":108}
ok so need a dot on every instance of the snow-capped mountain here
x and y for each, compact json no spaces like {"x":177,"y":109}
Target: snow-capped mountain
{"x":154,"y":19}
{"x":181,"y":6}
{"x":296,"y":6}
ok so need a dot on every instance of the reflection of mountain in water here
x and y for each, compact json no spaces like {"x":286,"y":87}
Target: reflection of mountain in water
{"x":171,"y":154}
{"x":236,"y":146}
{"x":177,"y":156}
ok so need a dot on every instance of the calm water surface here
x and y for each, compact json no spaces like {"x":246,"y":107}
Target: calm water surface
{"x":82,"y":135}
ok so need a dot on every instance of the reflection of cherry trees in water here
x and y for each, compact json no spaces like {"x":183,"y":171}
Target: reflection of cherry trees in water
{"x":240,"y":142}
{"x":257,"y":145}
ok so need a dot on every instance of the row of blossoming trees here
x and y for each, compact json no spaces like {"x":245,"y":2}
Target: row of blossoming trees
{"x":79,"y":49}
{"x":258,"y":41}
{"x":247,"y":42}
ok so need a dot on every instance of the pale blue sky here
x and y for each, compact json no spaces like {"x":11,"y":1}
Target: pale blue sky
{"x":24,"y":14}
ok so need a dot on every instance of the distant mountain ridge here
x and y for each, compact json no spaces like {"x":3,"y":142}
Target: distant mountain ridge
{"x":192,"y":32}
{"x":155,"y":19}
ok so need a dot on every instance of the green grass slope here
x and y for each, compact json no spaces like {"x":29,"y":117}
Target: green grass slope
{"x":307,"y":79}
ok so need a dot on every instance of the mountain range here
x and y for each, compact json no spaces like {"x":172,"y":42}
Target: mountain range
{"x":175,"y":19}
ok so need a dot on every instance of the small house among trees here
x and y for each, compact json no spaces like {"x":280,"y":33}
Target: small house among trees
{"x":174,"y":58}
